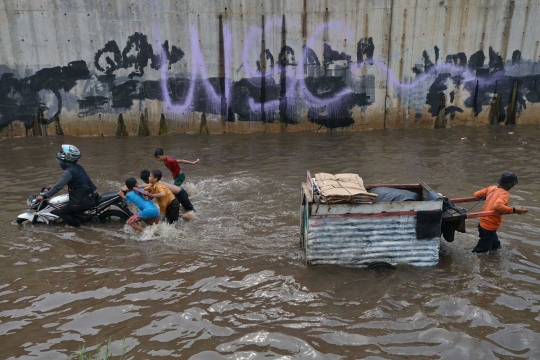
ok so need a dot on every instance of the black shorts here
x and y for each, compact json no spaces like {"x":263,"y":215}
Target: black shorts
{"x":182,"y":196}
{"x":173,"y":211}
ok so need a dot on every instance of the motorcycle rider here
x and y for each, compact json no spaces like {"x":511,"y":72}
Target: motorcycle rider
{"x":82,"y":192}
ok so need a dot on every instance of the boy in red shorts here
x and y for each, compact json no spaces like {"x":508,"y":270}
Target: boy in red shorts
{"x":174,"y":165}
{"x":496,"y":199}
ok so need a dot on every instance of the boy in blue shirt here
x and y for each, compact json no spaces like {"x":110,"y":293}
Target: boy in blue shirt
{"x":148,"y":213}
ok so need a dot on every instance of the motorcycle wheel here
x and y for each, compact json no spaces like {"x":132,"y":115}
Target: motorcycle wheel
{"x":112,"y":215}
{"x":20,"y":221}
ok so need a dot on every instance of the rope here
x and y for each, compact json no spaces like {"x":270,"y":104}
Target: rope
{"x":482,"y":199}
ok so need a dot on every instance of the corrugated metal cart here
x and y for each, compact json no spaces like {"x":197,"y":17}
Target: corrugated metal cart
{"x":358,"y":234}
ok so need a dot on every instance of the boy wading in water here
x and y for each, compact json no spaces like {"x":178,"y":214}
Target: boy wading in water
{"x":174,"y":166}
{"x":180,"y":194}
{"x":148,"y":213}
{"x":168,"y":204}
{"x":496,"y":199}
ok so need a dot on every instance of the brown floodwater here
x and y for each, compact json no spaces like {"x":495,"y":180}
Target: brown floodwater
{"x":232,"y":284}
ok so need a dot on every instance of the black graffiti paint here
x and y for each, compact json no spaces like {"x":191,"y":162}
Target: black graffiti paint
{"x":20,"y":99}
{"x":330,"y":55}
{"x":516,"y":57}
{"x":286,"y":56}
{"x":452,"y":110}
{"x":312,"y":65}
{"x":438,"y":97}
{"x":91,"y":105}
{"x":150,"y":90}
{"x":476,"y":61}
{"x":178,"y":89}
{"x":333,"y":115}
{"x":252,"y":88}
{"x":267,"y":54}
{"x":459,"y":59}
{"x":365,"y":50}
{"x":175,"y":55}
{"x":136,"y":56}
{"x":436,"y":92}
{"x":496,"y":62}
{"x":230,"y":115}
{"x":428,"y":64}
{"x":121,"y":74}
{"x":123,"y":94}
{"x":113,"y":58}
{"x":319,"y":115}
{"x":13,"y":101}
{"x":310,"y":58}
{"x":483,"y":92}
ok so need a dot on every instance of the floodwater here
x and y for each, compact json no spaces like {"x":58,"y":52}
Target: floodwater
{"x":232,"y":284}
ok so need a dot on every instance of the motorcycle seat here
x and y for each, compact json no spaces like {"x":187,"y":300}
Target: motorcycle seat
{"x":107,"y":196}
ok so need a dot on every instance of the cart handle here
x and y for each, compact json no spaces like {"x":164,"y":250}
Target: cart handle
{"x":466,"y":199}
{"x":483,"y":213}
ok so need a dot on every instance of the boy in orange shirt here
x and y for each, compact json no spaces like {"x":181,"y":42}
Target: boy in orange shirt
{"x":168,"y":204}
{"x":496,"y":199}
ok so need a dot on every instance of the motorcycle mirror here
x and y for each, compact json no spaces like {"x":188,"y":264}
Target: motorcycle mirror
{"x":30,"y":200}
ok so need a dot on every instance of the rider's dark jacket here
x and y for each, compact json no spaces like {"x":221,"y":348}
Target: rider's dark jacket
{"x":81,"y":189}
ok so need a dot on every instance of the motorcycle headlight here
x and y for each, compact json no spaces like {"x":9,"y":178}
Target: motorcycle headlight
{"x":30,"y":200}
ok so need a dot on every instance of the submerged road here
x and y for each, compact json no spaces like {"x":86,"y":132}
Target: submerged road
{"x":232,"y":283}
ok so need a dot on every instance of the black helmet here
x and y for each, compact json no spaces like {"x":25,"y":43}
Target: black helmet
{"x":68,"y":154}
{"x":508,"y":178}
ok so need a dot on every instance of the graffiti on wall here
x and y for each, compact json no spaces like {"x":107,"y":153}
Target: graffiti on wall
{"x":478,"y":80}
{"x":278,"y":86}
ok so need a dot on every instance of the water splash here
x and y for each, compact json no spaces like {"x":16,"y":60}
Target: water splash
{"x":164,"y":232}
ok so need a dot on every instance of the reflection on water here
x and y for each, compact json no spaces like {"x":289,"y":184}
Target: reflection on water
{"x":231,"y":284}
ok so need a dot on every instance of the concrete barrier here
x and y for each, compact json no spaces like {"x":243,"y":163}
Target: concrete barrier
{"x":281,"y":65}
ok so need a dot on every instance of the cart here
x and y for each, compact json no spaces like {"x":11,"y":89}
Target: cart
{"x":358,"y":235}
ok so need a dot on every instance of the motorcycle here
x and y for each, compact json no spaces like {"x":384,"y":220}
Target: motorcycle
{"x":108,"y":206}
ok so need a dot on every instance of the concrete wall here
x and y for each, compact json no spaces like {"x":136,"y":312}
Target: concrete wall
{"x":274,"y":65}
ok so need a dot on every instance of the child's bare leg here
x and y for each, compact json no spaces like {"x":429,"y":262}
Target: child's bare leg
{"x":188,"y":216}
{"x":136,"y":226}
{"x":132,"y":221}
{"x":152,"y":221}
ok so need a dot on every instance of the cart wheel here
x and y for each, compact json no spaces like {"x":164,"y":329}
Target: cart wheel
{"x":380,"y":265}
